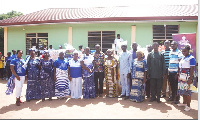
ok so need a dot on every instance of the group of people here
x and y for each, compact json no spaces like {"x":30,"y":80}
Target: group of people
{"x":5,"y":71}
{"x":137,"y":74}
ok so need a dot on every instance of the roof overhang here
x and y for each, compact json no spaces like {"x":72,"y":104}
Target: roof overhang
{"x":109,"y":20}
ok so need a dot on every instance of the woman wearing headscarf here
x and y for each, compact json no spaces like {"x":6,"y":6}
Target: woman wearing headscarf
{"x":33,"y":90}
{"x":88,"y":75}
{"x":46,"y":77}
{"x":138,"y":75}
{"x":62,"y":84}
{"x":186,"y":76}
{"x":111,"y":74}
{"x":75,"y":76}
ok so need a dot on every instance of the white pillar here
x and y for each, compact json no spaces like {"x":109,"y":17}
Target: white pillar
{"x":70,"y":35}
{"x":5,"y":41}
{"x":133,"y":34}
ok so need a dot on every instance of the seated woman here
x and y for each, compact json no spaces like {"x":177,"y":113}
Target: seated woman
{"x":138,"y":73}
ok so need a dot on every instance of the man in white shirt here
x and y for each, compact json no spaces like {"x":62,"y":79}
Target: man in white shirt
{"x":50,"y":48}
{"x":117,"y":43}
{"x":124,"y":71}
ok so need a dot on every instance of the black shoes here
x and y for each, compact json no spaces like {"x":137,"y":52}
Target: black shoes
{"x":171,"y":99}
{"x":152,"y":99}
{"x":121,"y":96}
{"x":127,"y":97}
{"x":158,"y":101}
{"x":163,"y":96}
{"x":175,"y":102}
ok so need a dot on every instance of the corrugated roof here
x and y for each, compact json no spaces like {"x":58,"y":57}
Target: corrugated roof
{"x":122,"y":13}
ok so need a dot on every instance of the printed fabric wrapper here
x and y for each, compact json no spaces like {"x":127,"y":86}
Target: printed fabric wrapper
{"x":10,"y":85}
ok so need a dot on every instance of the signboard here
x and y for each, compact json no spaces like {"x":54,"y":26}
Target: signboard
{"x":186,"y":39}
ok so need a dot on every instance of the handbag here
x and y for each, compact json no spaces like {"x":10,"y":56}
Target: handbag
{"x":183,"y":77}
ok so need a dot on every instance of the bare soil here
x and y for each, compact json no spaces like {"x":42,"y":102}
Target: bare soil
{"x":101,"y":107}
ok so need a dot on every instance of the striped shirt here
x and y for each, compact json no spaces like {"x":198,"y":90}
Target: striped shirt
{"x":174,"y":56}
{"x":166,"y":56}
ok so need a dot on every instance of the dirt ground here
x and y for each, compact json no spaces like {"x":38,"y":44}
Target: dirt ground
{"x":101,"y":107}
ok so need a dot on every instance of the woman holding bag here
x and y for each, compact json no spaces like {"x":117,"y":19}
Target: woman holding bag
{"x":186,"y":76}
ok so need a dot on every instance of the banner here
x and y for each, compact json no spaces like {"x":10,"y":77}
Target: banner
{"x":186,"y":39}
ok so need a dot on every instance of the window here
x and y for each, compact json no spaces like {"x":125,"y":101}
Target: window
{"x":40,"y":40}
{"x":162,"y":33}
{"x":103,"y":38}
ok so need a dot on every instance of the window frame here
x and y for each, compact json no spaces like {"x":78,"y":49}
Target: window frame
{"x":165,"y":26}
{"x":37,"y":39}
{"x":101,"y":36}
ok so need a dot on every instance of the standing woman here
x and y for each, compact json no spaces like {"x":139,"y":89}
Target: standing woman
{"x":111,"y":75}
{"x":46,"y":77}
{"x":88,"y":75}
{"x":19,"y":72}
{"x":138,"y":75}
{"x":33,"y":90}
{"x":186,"y":76}
{"x":62,"y":84}
{"x":75,"y":75}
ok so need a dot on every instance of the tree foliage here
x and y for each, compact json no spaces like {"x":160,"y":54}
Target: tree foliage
{"x":2,"y":17}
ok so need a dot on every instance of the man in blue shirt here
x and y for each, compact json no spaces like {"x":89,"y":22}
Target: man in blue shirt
{"x":175,"y":56}
{"x":19,"y":72}
{"x":14,"y":55}
{"x":166,"y":56}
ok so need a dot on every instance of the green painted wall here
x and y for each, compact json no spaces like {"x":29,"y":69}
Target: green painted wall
{"x":58,"y":33}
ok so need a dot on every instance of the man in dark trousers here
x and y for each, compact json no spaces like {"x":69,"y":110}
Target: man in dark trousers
{"x":166,"y":56}
{"x":156,"y":70}
{"x":98,"y":70}
{"x":175,"y":56}
{"x":147,"y":87}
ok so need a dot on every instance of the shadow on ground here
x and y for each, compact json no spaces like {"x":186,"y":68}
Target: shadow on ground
{"x":163,"y":107}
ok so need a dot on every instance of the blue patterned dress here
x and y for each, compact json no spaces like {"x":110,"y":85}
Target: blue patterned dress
{"x":88,"y":84}
{"x":33,"y":90}
{"x":62,"y":85}
{"x":46,"y":78}
{"x":137,"y":93}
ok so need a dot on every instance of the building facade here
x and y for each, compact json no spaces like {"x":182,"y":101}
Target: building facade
{"x":23,"y":32}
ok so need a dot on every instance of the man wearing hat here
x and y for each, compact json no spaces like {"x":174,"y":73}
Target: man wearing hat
{"x":124,"y":70}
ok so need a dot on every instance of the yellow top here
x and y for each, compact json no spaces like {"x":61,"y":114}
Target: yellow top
{"x":1,"y":62}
